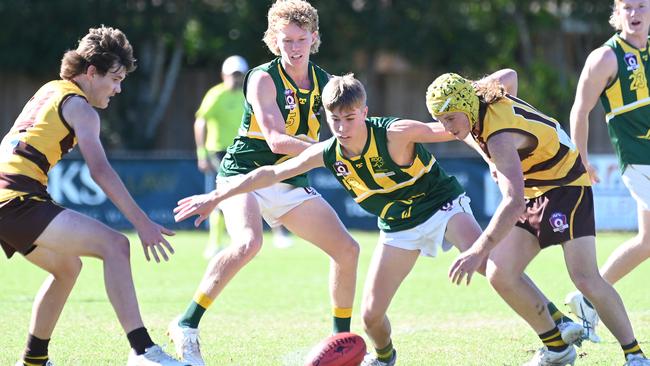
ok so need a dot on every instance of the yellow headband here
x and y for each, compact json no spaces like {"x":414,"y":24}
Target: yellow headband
{"x":453,"y":93}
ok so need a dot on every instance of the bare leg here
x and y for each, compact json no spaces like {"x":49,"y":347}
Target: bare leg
{"x":504,"y":270}
{"x":463,"y":230}
{"x":94,"y":239}
{"x":325,"y":230}
{"x":388,"y":268}
{"x":631,"y":253}
{"x":54,"y":292}
{"x":244,"y":223}
{"x":580,"y":256}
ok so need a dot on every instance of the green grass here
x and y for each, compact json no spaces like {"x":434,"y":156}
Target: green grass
{"x":278,"y":307}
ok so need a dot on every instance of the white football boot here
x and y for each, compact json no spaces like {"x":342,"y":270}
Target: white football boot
{"x":544,"y":357}
{"x":637,"y":360}
{"x":153,"y":356}
{"x":572,"y":333}
{"x":589,"y":317}
{"x":186,"y":342}
{"x":371,"y":360}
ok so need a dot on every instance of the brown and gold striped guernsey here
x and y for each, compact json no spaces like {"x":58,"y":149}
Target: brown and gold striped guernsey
{"x":552,"y":162}
{"x":38,"y":139}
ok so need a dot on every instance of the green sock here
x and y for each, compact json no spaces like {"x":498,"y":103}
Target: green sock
{"x":195,"y":310}
{"x":557,"y":315}
{"x":385,"y":354}
{"x":341,"y":320}
{"x":192,"y":315}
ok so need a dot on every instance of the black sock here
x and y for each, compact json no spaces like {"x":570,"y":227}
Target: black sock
{"x":139,"y":340}
{"x":36,"y":350}
{"x":553,"y":340}
{"x":632,"y":349}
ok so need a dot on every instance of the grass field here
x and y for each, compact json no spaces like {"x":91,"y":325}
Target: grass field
{"x":278,"y":307}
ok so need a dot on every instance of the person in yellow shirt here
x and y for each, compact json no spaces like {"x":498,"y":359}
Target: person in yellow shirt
{"x":215,"y":128}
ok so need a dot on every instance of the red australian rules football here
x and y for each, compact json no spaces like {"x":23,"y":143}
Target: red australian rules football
{"x":343,"y":349}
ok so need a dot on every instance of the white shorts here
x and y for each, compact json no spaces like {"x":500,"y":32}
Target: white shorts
{"x":637,"y":180}
{"x":278,"y":199}
{"x":429,"y":235}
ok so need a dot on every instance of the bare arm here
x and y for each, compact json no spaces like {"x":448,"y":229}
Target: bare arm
{"x":599,"y":70}
{"x":265,"y":176}
{"x":261,"y":95}
{"x":507,"y":78}
{"x":199,"y":138}
{"x":503,"y":149}
{"x":85,"y":122}
{"x":412,"y":131}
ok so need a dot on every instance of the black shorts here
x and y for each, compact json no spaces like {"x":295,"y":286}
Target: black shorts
{"x":560,"y":215}
{"x":22,"y":220}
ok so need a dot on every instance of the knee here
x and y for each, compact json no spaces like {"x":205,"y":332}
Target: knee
{"x":500,"y":279}
{"x":370,"y":316}
{"x":68,"y":270}
{"x":586,"y":283}
{"x":249,"y":248}
{"x":644,"y":244}
{"x":116,"y":247}
{"x":347,"y":254}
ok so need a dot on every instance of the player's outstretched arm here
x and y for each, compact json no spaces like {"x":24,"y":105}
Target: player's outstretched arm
{"x":415,"y":131}
{"x":600,"y":68}
{"x":265,"y":176}
{"x":85,"y":122}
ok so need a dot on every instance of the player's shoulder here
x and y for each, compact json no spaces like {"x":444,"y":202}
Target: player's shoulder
{"x":76,"y":109}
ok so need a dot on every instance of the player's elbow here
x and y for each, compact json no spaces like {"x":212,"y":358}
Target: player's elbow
{"x":276,"y":144}
{"x":516,"y":204}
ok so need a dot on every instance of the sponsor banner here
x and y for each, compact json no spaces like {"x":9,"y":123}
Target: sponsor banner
{"x":615,"y":207}
{"x":155,"y":184}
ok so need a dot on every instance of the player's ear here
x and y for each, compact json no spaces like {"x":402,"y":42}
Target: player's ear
{"x":91,"y":71}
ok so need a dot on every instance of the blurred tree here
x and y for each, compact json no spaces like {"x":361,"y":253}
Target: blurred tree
{"x":545,"y":40}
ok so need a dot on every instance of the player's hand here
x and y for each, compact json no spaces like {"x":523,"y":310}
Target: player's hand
{"x":466,"y":264}
{"x":202,"y":205}
{"x":205,"y":166}
{"x":153,"y":241}
{"x":593,"y":173}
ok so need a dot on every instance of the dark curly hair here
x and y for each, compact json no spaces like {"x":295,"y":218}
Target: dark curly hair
{"x":105,"y":48}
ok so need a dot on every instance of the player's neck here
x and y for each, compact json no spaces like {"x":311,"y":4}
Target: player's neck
{"x":299,"y":74}
{"x":637,"y":40}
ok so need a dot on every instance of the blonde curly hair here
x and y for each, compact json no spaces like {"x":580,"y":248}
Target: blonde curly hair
{"x":284,"y":12}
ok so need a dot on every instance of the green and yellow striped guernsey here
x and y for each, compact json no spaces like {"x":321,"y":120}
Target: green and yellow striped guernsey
{"x":401,"y":197}
{"x":627,"y":104}
{"x":300,"y":109}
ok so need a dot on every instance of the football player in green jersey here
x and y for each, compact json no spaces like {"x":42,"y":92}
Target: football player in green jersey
{"x":382,"y":165}
{"x":281,"y":119}
{"x":617,"y":74}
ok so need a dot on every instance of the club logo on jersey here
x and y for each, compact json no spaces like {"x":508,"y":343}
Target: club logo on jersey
{"x":310,"y":191}
{"x":377,"y":163}
{"x":631,"y":61}
{"x":447,"y":206}
{"x":317,"y":104}
{"x":646,"y":136}
{"x":289,"y":99}
{"x":558,"y":222}
{"x":341,"y":169}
